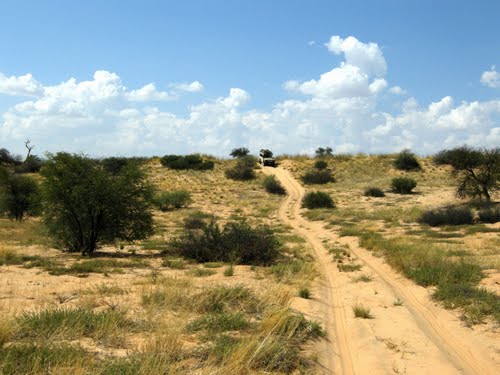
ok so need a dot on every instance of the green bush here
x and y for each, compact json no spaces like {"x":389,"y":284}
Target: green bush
{"x":318,"y":177}
{"x":406,"y":161}
{"x":317,"y":199}
{"x":19,"y":195}
{"x":239,"y":152}
{"x":237,"y":243}
{"x":180,"y":162}
{"x":489,"y":215}
{"x":273,"y":186}
{"x":447,"y":216}
{"x":403,"y":185}
{"x":243,"y":170}
{"x":172,"y":199}
{"x":374,"y":192}
{"x":32,"y":164}
{"x":320,"y":164}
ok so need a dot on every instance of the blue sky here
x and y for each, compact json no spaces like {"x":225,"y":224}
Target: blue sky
{"x":207,"y":76}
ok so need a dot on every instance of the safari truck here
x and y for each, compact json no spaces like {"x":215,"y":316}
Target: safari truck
{"x":266,"y":158}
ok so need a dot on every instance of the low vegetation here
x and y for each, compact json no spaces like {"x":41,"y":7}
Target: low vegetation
{"x":168,"y":200}
{"x":406,"y":161}
{"x":183,"y":162}
{"x":449,"y":215}
{"x":403,"y":185}
{"x":317,"y":199}
{"x":238,"y":243}
{"x":243,"y":170}
{"x":318,"y":176}
{"x":374,"y":192}
{"x":273,"y":186}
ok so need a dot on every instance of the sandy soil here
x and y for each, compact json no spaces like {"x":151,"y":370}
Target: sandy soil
{"x":418,"y":337}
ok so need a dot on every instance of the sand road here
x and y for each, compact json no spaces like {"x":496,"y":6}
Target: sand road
{"x":417,"y":337}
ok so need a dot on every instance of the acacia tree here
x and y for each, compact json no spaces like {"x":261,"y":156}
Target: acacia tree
{"x":477,"y":170}
{"x":86,"y":206}
{"x":239,"y":152}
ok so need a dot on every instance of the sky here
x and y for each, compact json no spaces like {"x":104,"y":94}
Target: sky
{"x":173,"y":77}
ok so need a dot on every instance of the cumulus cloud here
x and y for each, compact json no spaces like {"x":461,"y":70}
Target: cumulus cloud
{"x":491,"y":78}
{"x":367,"y":56}
{"x":24,"y":85}
{"x":194,"y":86}
{"x":342,"y":108}
{"x":396,"y":90}
{"x":357,"y":76}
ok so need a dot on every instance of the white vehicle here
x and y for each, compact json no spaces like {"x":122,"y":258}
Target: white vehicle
{"x":266,"y":158}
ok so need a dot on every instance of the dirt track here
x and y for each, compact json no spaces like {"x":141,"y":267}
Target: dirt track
{"x":415,"y":338}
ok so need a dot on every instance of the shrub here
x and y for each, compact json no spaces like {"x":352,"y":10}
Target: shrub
{"x":32,"y":164}
{"x":7,"y":158}
{"x":85,"y":206}
{"x":193,"y":161}
{"x":489,"y":215}
{"x":318,"y":177}
{"x":243,"y":170}
{"x":447,"y":216}
{"x":273,"y":186}
{"x":374,"y":192}
{"x":321,"y":152}
{"x":406,"y":161}
{"x":19,"y":195}
{"x":320,"y":164}
{"x":236,"y":242}
{"x":361,"y":311}
{"x":172,"y":199}
{"x":114,"y":165}
{"x":317,"y":199}
{"x":403,"y":185}
{"x":239,"y":152}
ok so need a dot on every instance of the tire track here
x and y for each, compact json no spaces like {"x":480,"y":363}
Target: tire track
{"x":464,"y":358}
{"x":333,"y":308}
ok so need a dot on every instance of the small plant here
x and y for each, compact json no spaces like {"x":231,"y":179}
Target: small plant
{"x":201,"y":272}
{"x":320,"y":164}
{"x":349,"y":267}
{"x":172,"y":199}
{"x":318,"y":177}
{"x":219,"y":322}
{"x":362,"y":279}
{"x":398,"y":302}
{"x":374,"y":192}
{"x":176,"y":263}
{"x":447,"y":216}
{"x":403,"y":185}
{"x":273,"y":186}
{"x":317,"y":199}
{"x":304,"y":293}
{"x":406,"y":161}
{"x":361,"y":311}
{"x":229,"y":271}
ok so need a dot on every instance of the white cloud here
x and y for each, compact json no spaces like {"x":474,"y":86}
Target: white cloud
{"x":149,"y":93}
{"x":368,"y":57}
{"x":194,"y":86}
{"x":396,"y":90}
{"x":491,"y":78}
{"x":341,"y":109}
{"x":24,"y":85}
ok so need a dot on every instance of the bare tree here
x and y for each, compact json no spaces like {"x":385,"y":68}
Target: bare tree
{"x":27,"y":145}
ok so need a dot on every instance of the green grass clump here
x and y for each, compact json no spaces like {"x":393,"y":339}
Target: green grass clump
{"x":447,"y":216}
{"x":107,"y":325}
{"x":98,"y":266}
{"x":403,"y":185}
{"x":219,"y":322}
{"x":44,"y":359}
{"x":229,"y":271}
{"x":174,"y":263}
{"x":317,"y":199}
{"x":362,"y":279}
{"x":201,"y":272}
{"x":361,"y":311}
{"x":225,"y":298}
{"x":305,"y":293}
